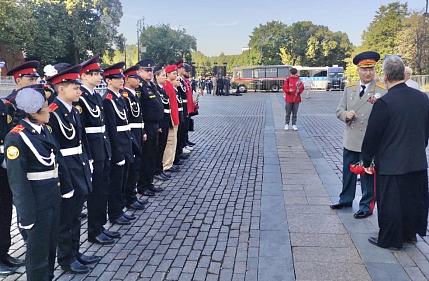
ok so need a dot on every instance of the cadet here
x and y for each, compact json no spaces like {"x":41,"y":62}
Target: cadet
{"x":90,"y":108}
{"x":166,"y":123}
{"x":24,"y":75}
{"x":32,"y":157}
{"x":354,"y":110}
{"x":66,"y":126}
{"x":135,"y":118}
{"x":121,"y":143}
{"x":153,"y":112}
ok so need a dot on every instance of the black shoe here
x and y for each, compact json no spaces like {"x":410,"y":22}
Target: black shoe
{"x":178,"y":162}
{"x":129,"y":217}
{"x":142,"y":201}
{"x":13,"y":262}
{"x":411,"y":240}
{"x":101,"y":239}
{"x":136,"y":206}
{"x":190,"y":143}
{"x":174,"y":169}
{"x":374,"y":241}
{"x":82,"y":215}
{"x":183,"y":156}
{"x":161,"y":177}
{"x":166,"y":175}
{"x":112,"y":234}
{"x":340,"y":205}
{"x":83,"y":259}
{"x":6,"y":270}
{"x":156,"y":189}
{"x":145,"y":192}
{"x":121,"y":221}
{"x":76,"y":267}
{"x":361,"y":214}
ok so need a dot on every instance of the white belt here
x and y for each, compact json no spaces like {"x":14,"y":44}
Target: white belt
{"x":167,"y":110}
{"x":37,"y":176}
{"x":95,"y":130}
{"x":1,"y":148}
{"x":184,"y":101}
{"x":71,"y":151}
{"x":181,"y":109}
{"x":123,"y":128}
{"x":136,"y":125}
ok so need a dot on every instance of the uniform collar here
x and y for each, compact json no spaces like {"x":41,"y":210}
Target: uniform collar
{"x":131,"y":91}
{"x":36,"y":127}
{"x":68,"y":106}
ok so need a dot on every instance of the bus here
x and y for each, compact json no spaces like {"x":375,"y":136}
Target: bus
{"x":317,"y":74}
{"x":271,"y":77}
{"x":259,"y":78}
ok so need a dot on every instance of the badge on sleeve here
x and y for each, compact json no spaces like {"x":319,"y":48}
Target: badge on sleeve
{"x":12,"y":152}
{"x":79,"y":108}
{"x":9,"y":119}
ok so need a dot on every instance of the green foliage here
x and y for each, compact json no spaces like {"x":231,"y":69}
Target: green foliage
{"x":61,"y":31}
{"x":167,"y":46}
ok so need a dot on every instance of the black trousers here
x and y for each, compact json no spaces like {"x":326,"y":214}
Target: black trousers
{"x":402,"y":202}
{"x":179,"y":146}
{"x":97,"y":199}
{"x":150,"y":148}
{"x":184,"y":136}
{"x":118,"y":180}
{"x":5,"y":214}
{"x":162,"y":143}
{"x":69,"y":229}
{"x":42,"y":241}
{"x":130,"y":194}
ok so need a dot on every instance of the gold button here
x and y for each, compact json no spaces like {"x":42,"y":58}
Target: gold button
{"x":105,"y":137}
{"x":80,"y":141}
{"x":352,"y":128}
{"x":58,"y":183}
{"x":83,"y":163}
{"x":363,"y":115}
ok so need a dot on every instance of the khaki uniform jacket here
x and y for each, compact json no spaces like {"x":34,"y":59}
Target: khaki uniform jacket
{"x":355,"y":130}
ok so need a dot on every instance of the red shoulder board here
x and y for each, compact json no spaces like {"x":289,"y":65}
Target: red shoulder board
{"x":53,"y":107}
{"x":125,"y":94}
{"x":7,"y":102}
{"x":109,"y":96}
{"x":17,"y":129}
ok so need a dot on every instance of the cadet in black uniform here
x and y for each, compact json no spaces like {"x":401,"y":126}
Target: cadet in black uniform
{"x":6,"y":261}
{"x":66,"y":126}
{"x":32,"y":157}
{"x":121,"y":142}
{"x":90,"y":108}
{"x":135,"y":118}
{"x":153,"y":112}
{"x":166,"y":123}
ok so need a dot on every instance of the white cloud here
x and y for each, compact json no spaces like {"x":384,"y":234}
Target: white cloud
{"x":224,"y":24}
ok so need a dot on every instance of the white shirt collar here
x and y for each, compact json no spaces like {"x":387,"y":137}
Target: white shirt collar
{"x":68,"y":106}
{"x":36,"y":127}
{"x":366,"y":85}
{"x":89,"y":90}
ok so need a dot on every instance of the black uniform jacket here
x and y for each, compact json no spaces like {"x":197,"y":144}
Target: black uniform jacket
{"x":153,"y":110}
{"x":90,"y":107}
{"x":135,"y":117}
{"x":181,"y":90}
{"x":166,"y":120}
{"x":116,"y":122}
{"x":4,"y":127}
{"x":31,"y":196}
{"x":397,"y":133}
{"x":68,"y":131}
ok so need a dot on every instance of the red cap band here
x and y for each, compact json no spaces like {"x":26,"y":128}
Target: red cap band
{"x":133,"y":72}
{"x":113,"y":71}
{"x":89,"y":67}
{"x":65,"y":77}
{"x":24,"y":72}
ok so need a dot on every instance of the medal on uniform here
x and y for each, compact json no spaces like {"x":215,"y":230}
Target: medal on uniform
{"x":12,"y":152}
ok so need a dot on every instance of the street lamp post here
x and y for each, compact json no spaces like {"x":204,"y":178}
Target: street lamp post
{"x":215,"y":68}
{"x":140,"y":26}
{"x":192,"y":68}
{"x":224,"y":68}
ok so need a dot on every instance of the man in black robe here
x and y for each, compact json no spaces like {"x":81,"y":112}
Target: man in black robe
{"x":396,"y":138}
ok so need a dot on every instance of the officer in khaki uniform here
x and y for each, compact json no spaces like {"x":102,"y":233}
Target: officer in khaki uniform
{"x":354,"y":110}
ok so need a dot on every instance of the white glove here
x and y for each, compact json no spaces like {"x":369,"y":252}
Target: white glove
{"x":3,"y":164}
{"x":351,"y":114}
{"x":121,"y":163}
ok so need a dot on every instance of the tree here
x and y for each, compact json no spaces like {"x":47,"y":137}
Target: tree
{"x":15,"y":33}
{"x":268,"y":39}
{"x":167,"y":46}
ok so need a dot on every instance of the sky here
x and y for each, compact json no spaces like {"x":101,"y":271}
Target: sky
{"x":225,"y":26}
